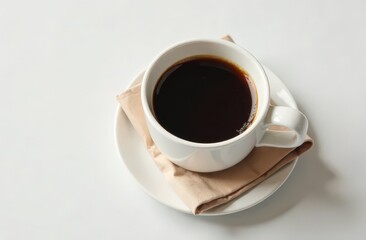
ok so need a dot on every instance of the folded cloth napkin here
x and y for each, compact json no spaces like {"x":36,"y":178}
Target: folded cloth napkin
{"x":204,"y":191}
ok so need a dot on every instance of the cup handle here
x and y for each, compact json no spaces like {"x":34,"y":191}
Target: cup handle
{"x":295,"y":123}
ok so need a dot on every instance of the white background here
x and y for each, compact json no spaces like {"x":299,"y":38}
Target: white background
{"x":63,"y":62}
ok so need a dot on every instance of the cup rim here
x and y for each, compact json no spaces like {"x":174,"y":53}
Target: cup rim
{"x":149,"y":116}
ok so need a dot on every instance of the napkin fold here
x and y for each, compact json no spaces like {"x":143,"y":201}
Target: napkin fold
{"x":204,"y":191}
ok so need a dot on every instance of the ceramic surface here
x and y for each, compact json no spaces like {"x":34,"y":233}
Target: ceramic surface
{"x":150,"y":179}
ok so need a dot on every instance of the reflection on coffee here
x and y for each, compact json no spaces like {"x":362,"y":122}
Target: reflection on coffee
{"x":204,"y":99}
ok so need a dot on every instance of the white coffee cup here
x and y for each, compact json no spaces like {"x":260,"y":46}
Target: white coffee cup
{"x":209,"y":157}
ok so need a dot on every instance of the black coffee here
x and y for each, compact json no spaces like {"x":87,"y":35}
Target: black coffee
{"x":204,"y":99}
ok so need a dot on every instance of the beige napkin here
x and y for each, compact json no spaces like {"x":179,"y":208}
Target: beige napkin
{"x":204,"y":191}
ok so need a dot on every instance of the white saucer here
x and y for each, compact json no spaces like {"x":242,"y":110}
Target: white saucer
{"x":149,"y":177}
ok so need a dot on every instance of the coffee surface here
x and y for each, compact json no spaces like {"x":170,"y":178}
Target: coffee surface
{"x":204,"y":100}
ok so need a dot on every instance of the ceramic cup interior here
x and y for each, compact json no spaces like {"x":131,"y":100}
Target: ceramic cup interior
{"x":218,"y":48}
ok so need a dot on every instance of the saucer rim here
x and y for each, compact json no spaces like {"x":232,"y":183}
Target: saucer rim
{"x":214,"y":212}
